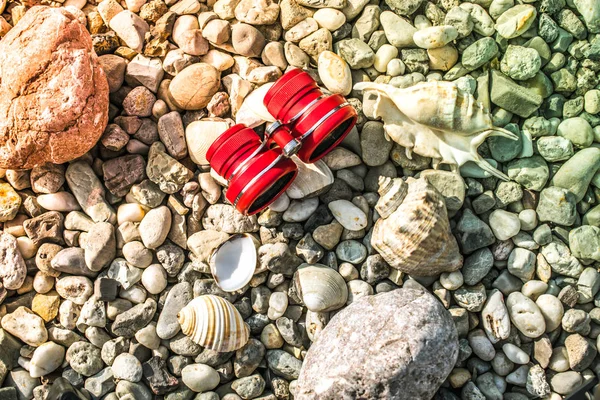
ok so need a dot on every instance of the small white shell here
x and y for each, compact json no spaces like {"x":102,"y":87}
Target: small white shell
{"x":233,"y":262}
{"x":312,"y":179}
{"x":321,"y":288}
{"x":214,"y":323}
{"x":253,"y":112}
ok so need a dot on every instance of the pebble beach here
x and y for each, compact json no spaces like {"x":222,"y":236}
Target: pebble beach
{"x":383,"y":271}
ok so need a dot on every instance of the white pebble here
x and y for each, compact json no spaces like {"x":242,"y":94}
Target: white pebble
{"x":421,"y":22}
{"x":348,"y":271}
{"x":46,"y":358}
{"x":534,"y":289}
{"x":395,"y":67}
{"x":26,"y":247}
{"x":147,"y":336}
{"x":528,"y":219}
{"x":301,"y":210}
{"x":329,"y":18}
{"x":525,"y":315}
{"x":358,"y":289}
{"x":552,"y":310}
{"x":60,"y":201}
{"x":126,"y":366}
{"x":42,"y":283}
{"x":200,"y":377}
{"x":451,"y":280}
{"x":504,"y":224}
{"x":348,"y":215}
{"x":281,"y":204}
{"x":515,"y":354}
{"x":131,"y":212}
{"x":384,"y":55}
{"x":435,"y":36}
{"x":278,"y":303}
{"x":154,"y":278}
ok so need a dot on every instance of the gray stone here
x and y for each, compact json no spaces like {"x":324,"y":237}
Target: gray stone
{"x":89,"y":192}
{"x":473,"y":233}
{"x":178,"y":296}
{"x":129,"y":322}
{"x":84,"y":358}
{"x":100,"y":246}
{"x":165,"y":171}
{"x":284,"y":364}
{"x":557,"y":205}
{"x":405,"y":326}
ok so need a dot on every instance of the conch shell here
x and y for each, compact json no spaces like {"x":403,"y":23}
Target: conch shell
{"x":392,"y":192}
{"x":438,"y":120}
{"x":415,"y":237}
{"x":214,"y":323}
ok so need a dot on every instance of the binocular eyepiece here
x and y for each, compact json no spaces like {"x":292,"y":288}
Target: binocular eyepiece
{"x":308,"y":124}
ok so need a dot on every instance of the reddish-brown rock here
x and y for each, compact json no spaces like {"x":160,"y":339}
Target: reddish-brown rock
{"x":53,"y":93}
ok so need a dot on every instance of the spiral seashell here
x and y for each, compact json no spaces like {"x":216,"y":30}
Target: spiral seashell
{"x":392,"y":192}
{"x":312,"y":179}
{"x":436,"y":119}
{"x":321,"y":288}
{"x":214,"y":323}
{"x":416,"y":237}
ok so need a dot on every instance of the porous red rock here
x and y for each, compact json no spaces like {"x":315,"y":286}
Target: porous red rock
{"x":53,"y":93}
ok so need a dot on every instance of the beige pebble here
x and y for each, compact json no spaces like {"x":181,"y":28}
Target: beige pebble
{"x":301,"y":30}
{"x":435,"y":36}
{"x":335,"y":73}
{"x":384,"y":55}
{"x":26,"y":247}
{"x":25,"y":325}
{"x":187,"y":35}
{"x":42,"y":283}
{"x":132,"y":212}
{"x":329,"y":18}
{"x":442,"y":58}
{"x":221,"y":61}
{"x":60,"y":201}
{"x":130,"y":28}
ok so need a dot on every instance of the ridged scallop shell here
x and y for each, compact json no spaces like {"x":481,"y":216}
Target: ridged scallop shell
{"x":312,"y":179}
{"x":436,"y":119}
{"x":214,"y":323}
{"x":321,"y":288}
{"x":233,"y":262}
{"x":392,"y":192}
{"x":416,"y":237}
{"x":200,"y":135}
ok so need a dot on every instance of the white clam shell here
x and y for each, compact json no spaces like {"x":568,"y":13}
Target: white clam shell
{"x":436,"y":119}
{"x":233,"y":262}
{"x":214,"y":323}
{"x":312,"y":179}
{"x":321,"y":288}
{"x":199,"y":135}
{"x":253,"y":112}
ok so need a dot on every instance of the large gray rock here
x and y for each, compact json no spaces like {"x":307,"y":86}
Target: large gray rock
{"x":396,"y":345}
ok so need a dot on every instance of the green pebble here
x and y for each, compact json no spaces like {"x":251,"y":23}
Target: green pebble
{"x":592,"y":119}
{"x":520,"y":63}
{"x":541,"y":47}
{"x":577,"y":130}
{"x":508,"y":192}
{"x":568,"y":21}
{"x":576,"y":174}
{"x":564,"y":80}
{"x":590,"y":11}
{"x":592,"y":217}
{"x":473,"y":233}
{"x":501,"y":117}
{"x":556,"y":62}
{"x":579,"y":49}
{"x":562,"y":41}
{"x":484,"y":202}
{"x":539,"y":126}
{"x":511,"y":96}
{"x":584,"y":242}
{"x":553,"y":106}
{"x":540,"y":84}
{"x":542,"y":234}
{"x":356,"y":53}
{"x":531,"y":172}
{"x":547,"y":28}
{"x":416,"y":60}
{"x":557,"y":205}
{"x":573,"y":107}
{"x":554,"y":148}
{"x":551,"y":6}
{"x":479,"y":53}
{"x":504,"y":149}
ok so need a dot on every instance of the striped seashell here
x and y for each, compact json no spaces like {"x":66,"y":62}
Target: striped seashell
{"x":214,"y":323}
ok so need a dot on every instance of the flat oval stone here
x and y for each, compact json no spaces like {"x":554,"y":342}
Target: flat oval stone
{"x":348,"y":215}
{"x":525,"y":315}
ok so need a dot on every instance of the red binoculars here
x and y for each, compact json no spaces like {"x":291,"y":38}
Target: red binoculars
{"x":308,"y":124}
